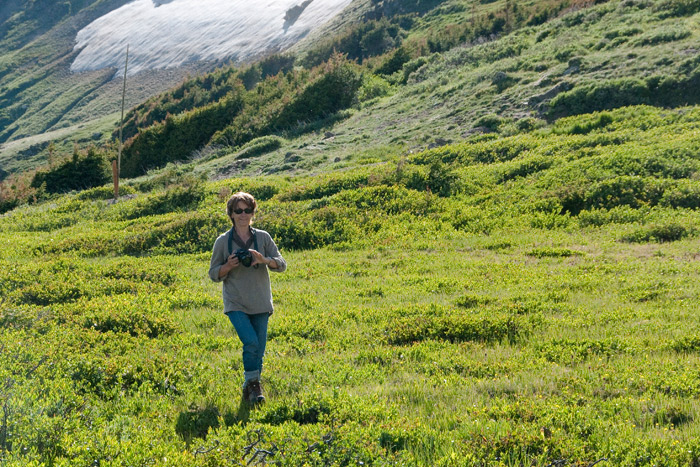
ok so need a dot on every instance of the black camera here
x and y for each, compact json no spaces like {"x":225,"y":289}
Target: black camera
{"x":244,"y":256}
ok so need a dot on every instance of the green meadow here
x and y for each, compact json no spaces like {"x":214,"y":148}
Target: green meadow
{"x":522,"y":299}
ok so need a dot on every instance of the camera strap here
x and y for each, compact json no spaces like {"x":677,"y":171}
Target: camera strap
{"x":233,"y":237}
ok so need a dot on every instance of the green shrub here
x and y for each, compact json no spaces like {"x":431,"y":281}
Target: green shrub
{"x":440,"y":179}
{"x":624,"y":190}
{"x":358,"y":42}
{"x":616,"y":215}
{"x":335,"y":89}
{"x":669,"y":232}
{"x":455,"y":328}
{"x":393,"y":62}
{"x":676,"y":8}
{"x":569,"y":351}
{"x":260,"y":146}
{"x":372,"y":87}
{"x":136,"y":316}
{"x":686,"y":344}
{"x":549,"y":252}
{"x":598,"y":96}
{"x":178,"y":136}
{"x":104,"y":192}
{"x":78,"y":173}
{"x":683,"y":194}
{"x":307,"y":411}
{"x":196,"y":422}
{"x":472,"y":301}
{"x":386,"y":199}
{"x":669,"y":91}
{"x":325,"y":185}
{"x":524,"y":167}
{"x":663,"y":35}
{"x":603,"y":119}
{"x":192,"y":232}
{"x":178,"y":198}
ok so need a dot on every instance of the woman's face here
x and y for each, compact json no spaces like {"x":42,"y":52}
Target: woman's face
{"x":242,"y":214}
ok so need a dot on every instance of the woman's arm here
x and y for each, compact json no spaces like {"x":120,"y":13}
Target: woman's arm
{"x":221,"y":264}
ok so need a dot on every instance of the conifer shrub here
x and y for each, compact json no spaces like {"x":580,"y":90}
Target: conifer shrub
{"x":473,"y":219}
{"x":624,"y":190}
{"x":616,"y":215}
{"x":110,"y":374}
{"x":178,"y":136}
{"x":358,"y":42}
{"x":686,"y":344}
{"x":132,"y":270}
{"x":386,"y":199}
{"x":666,"y":91}
{"x":372,"y":87}
{"x":550,"y":252}
{"x":335,"y":89}
{"x":191,"y":232}
{"x":439,"y":178}
{"x":601,"y":121}
{"x":295,"y":228}
{"x":599,"y":96}
{"x":661,"y":35}
{"x":82,"y":171}
{"x":393,"y":62}
{"x":294,"y":232}
{"x":262,"y":191}
{"x":133,"y":322}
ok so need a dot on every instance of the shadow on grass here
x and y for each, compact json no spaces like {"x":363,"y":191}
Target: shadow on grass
{"x":197,"y":421}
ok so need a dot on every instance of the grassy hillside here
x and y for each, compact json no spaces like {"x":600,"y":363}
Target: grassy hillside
{"x":506,"y":300}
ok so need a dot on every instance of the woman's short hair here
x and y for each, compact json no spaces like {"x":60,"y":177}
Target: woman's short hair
{"x":235,"y":198}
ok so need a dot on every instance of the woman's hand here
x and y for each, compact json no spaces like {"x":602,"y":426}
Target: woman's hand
{"x":231,"y":262}
{"x":258,"y":258}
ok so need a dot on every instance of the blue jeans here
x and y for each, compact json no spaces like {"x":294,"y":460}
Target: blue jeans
{"x":252,"y":331}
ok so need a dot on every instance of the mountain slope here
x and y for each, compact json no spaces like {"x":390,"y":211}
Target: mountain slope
{"x":39,"y":94}
{"x":581,"y":59}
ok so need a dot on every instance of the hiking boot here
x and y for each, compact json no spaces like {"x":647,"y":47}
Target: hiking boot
{"x":246,"y":393}
{"x":255,"y":389}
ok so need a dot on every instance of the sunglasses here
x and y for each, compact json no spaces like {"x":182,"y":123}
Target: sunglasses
{"x":241,"y":211}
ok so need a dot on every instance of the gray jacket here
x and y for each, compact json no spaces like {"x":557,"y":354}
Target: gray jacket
{"x":246,"y":289}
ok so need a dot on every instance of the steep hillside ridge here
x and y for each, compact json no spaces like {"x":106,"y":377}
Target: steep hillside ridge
{"x":430,"y":88}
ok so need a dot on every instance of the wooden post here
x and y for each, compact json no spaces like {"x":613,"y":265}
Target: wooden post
{"x":115,"y":179}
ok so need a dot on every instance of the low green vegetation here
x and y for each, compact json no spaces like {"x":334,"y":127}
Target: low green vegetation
{"x":490,"y":211}
{"x":521,"y":299}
